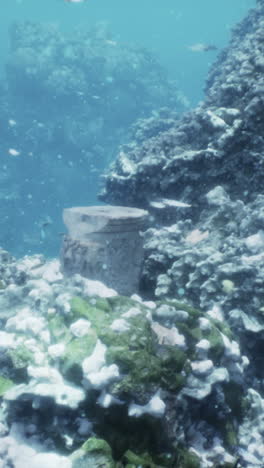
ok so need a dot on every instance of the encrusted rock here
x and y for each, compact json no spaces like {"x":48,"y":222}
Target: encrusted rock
{"x":105,"y":244}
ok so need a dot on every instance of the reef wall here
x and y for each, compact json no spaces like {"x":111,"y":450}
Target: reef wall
{"x":201,"y":177}
{"x":219,"y":142}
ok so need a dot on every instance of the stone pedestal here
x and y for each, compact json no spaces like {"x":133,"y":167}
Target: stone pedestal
{"x":104,"y":243}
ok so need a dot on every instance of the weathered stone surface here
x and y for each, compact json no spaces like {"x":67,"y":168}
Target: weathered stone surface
{"x":105,"y":244}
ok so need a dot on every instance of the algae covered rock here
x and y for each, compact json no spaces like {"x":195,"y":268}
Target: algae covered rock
{"x":5,"y":384}
{"x":94,"y":453}
{"x":136,"y":374}
{"x":123,"y":336}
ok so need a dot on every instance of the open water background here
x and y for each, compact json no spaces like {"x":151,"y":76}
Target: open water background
{"x":164,"y":26}
{"x":44,"y":178}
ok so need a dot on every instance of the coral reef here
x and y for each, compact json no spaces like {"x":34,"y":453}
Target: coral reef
{"x":174,"y":377}
{"x":218,"y":143}
{"x":78,"y":361}
{"x":201,"y":178}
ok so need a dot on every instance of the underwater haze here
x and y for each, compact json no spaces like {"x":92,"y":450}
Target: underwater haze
{"x":167,"y":28}
{"x":136,"y":338}
{"x":75,"y":77}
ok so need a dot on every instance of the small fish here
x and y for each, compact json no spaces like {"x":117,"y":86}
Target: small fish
{"x":201,"y":47}
{"x":13,"y":152}
{"x":74,"y":1}
{"x":44,"y":225}
{"x":110,"y":42}
{"x":12,"y":122}
{"x":166,"y":202}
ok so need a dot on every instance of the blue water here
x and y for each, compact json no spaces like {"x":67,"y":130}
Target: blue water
{"x":166,"y":27}
{"x":49,"y":174}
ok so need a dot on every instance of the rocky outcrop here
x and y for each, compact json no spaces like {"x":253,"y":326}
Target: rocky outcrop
{"x":218,"y":143}
{"x":201,"y":178}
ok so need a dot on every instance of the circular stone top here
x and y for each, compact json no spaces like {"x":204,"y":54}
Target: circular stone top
{"x":84,"y":220}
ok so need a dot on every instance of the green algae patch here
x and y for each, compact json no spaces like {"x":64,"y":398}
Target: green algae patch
{"x":94,"y":453}
{"x":144,"y":370}
{"x":216,"y":341}
{"x":76,"y":351}
{"x":135,"y":355}
{"x":96,"y":445}
{"x":132,"y":460}
{"x":230,"y":435}
{"x":193,"y":313}
{"x":186,"y":459}
{"x":21,"y":357}
{"x":124,"y":346}
{"x":142,"y":360}
{"x":101,"y":303}
{"x":172,"y":362}
{"x":123,"y":304}
{"x":223,"y":327}
{"x":192,"y":335}
{"x":192,"y":332}
{"x":133,"y":350}
{"x":99,"y":318}
{"x":58,"y":329}
{"x":5,"y":384}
